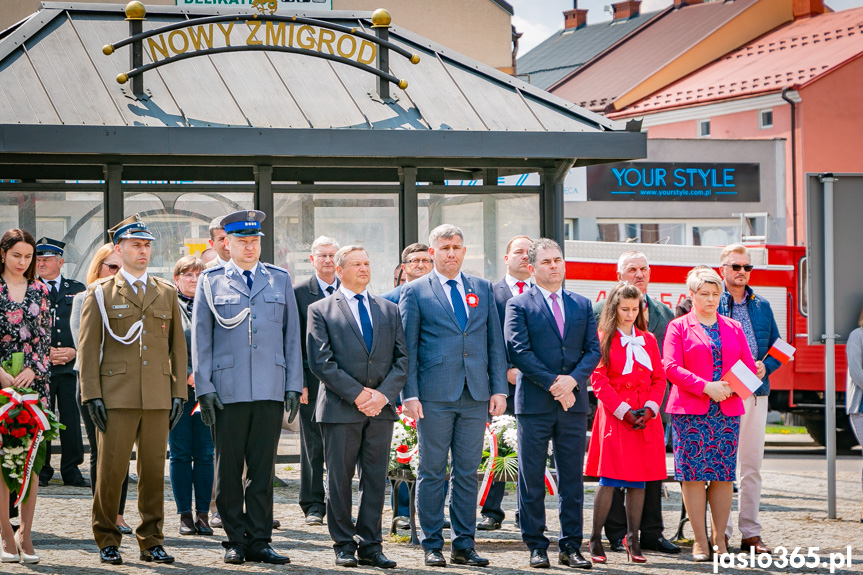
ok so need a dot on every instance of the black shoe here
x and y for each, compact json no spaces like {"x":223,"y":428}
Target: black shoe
{"x":43,"y":482}
{"x":539,"y":559}
{"x":216,"y":520}
{"x":346,"y":559}
{"x":201,"y":525}
{"x":616,"y":545}
{"x":467,"y":557}
{"x":403,"y":523}
{"x":267,"y":555}
{"x":378,"y":560}
{"x":124,"y":529}
{"x":573,"y":557}
{"x":79,"y":482}
{"x":110,"y":555}
{"x":276,"y":523}
{"x":314,"y":518}
{"x":235,"y":555}
{"x":662,"y":545}
{"x":156,"y":554}
{"x":187,"y":524}
{"x":434,"y":558}
{"x":488,"y":524}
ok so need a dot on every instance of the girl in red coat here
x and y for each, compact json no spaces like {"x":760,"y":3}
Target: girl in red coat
{"x":627,"y":443}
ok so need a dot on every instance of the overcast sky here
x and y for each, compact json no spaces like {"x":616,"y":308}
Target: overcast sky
{"x":539,"y":19}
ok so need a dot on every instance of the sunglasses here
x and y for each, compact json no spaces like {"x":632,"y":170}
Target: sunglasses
{"x":738,"y":267}
{"x":113,"y":268}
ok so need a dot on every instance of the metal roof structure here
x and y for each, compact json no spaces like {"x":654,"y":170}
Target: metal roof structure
{"x":790,"y":56}
{"x":567,"y":50}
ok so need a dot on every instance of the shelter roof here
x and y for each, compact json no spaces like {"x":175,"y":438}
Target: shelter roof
{"x":793,"y":55}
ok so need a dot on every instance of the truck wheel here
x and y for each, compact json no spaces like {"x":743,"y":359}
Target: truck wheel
{"x":845,"y":439}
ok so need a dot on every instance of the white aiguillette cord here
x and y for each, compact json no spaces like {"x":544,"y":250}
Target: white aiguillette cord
{"x":135,"y":331}
{"x":230,"y":323}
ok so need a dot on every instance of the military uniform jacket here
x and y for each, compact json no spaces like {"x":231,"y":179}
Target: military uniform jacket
{"x":225,"y":361}
{"x":136,"y":376}
{"x":61,"y":311}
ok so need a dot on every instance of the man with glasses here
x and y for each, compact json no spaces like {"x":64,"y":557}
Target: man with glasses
{"x":753,"y":312}
{"x":416,"y":262}
{"x":64,"y":381}
{"x":322,"y":284}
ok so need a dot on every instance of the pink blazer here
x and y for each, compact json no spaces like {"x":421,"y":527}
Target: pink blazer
{"x":689,"y":363}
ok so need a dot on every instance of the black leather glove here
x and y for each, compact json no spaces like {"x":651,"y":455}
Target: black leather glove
{"x":631,"y":419}
{"x":209,"y":404}
{"x":96,"y":409}
{"x":176,"y":412}
{"x":292,"y":404}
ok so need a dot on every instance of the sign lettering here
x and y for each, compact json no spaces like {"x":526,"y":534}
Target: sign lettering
{"x":272,"y":6}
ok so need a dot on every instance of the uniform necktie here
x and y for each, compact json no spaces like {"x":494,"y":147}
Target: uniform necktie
{"x":558,"y":313}
{"x":53,"y":288}
{"x":457,"y":304}
{"x":635,"y":352}
{"x":139,"y":291}
{"x":249,"y":279}
{"x":365,"y":322}
{"x":330,"y":290}
{"x":520,"y":286}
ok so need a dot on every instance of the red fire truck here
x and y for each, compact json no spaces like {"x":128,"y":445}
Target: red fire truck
{"x":779,"y":276}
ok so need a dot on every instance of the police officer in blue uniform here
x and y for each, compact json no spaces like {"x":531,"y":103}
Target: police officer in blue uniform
{"x":64,"y":380}
{"x":248,"y":370}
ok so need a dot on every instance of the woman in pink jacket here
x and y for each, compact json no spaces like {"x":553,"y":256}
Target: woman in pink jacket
{"x":627,"y":443}
{"x":700,"y":347}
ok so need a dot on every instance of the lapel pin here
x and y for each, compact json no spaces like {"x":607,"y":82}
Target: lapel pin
{"x":472,"y":299}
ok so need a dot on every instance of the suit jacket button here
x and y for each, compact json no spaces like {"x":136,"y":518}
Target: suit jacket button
{"x":254,"y":316}
{"x":563,"y":348}
{"x":252,"y":302}
{"x":110,"y":372}
{"x":145,"y":363}
{"x":370,"y":362}
{"x":255,"y":346}
{"x":143,"y":317}
{"x":145,"y":348}
{"x":465,"y":355}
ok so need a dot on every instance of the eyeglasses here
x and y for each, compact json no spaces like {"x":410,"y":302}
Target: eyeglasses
{"x":418,"y":261}
{"x":738,"y":267}
{"x":190,"y":275}
{"x":326,"y":256}
{"x":113,"y":268}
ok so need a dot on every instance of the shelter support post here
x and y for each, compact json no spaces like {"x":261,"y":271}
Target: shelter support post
{"x":830,"y":345}
{"x":264,"y":202}
{"x":136,"y":56}
{"x":113,"y":196}
{"x":551,"y":201}
{"x":408,"y":207}
{"x":383,"y":62}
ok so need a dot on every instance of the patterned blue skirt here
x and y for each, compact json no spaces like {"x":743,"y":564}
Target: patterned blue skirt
{"x":705,"y":446}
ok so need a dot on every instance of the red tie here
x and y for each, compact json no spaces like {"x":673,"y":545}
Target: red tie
{"x":520,"y":286}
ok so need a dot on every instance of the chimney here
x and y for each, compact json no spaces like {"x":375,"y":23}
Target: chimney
{"x":683,"y":3}
{"x":806,"y":8}
{"x":626,"y":9}
{"x":575,"y":18}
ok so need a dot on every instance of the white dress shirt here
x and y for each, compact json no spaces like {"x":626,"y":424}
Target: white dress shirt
{"x":132,"y":279}
{"x":54,"y":283}
{"x":220,"y":261}
{"x":324,"y":285}
{"x":511,"y":281}
{"x":354,"y":304}
{"x":547,"y":295}
{"x":448,"y":291}
{"x":239,"y":270}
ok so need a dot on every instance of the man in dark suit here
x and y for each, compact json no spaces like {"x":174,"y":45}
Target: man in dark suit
{"x":64,"y":380}
{"x":551,"y":338}
{"x":632,"y":267}
{"x":322,"y":284}
{"x":515,"y":282}
{"x":457,"y":377}
{"x":357,"y":349}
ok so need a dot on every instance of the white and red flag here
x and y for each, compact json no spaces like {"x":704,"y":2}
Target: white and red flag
{"x":743,"y":381}
{"x":782,"y":351}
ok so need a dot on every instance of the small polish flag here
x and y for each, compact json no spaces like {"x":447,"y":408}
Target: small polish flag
{"x":197,"y":409}
{"x":743,"y":381}
{"x":782,"y":351}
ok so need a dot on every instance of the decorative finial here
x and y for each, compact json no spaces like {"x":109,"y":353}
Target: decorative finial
{"x":135,"y":10}
{"x":107,"y":49}
{"x":122,"y":78}
{"x":381,"y":18}
{"x":403,"y":84}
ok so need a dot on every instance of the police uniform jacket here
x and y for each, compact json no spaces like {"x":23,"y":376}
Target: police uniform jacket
{"x":257,"y":362}
{"x":61,"y":311}
{"x":136,"y":376}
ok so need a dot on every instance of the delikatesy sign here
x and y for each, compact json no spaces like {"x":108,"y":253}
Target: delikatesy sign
{"x":686,"y":182}
{"x":280,"y":5}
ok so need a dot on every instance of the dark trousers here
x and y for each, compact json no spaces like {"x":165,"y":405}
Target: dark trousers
{"x":401,"y":501}
{"x":191,"y":467}
{"x":567,"y":433}
{"x":364,"y":446}
{"x":92,"y":439}
{"x":247,"y":434}
{"x":651,"y":517}
{"x":492,"y":506}
{"x":312,"y":493}
{"x":64,"y":399}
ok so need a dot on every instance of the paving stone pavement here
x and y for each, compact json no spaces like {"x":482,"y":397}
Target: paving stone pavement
{"x":793,"y":513}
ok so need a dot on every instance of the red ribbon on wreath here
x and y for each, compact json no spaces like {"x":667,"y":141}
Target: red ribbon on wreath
{"x":30,"y":403}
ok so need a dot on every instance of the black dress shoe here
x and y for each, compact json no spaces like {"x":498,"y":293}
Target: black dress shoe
{"x":202,"y":527}
{"x":434,"y":558}
{"x":276,"y":523}
{"x":616,"y":545}
{"x":235,"y":555}
{"x":79,"y":482}
{"x":378,"y":560}
{"x":346,"y":559}
{"x":110,"y":555}
{"x":539,"y":559}
{"x":156,"y":554}
{"x":314,"y":518}
{"x":662,"y":545}
{"x":124,"y":529}
{"x":488,"y":524}
{"x":43,"y":482}
{"x":467,"y":557}
{"x":573,"y":557}
{"x":267,"y":555}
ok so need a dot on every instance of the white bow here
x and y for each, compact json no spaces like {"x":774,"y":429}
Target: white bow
{"x":634,"y":346}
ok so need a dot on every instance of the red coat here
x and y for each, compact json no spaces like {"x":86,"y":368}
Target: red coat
{"x":616,"y":450}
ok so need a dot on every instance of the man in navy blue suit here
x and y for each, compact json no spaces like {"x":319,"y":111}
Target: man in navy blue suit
{"x":551,"y":338}
{"x":456,"y":378}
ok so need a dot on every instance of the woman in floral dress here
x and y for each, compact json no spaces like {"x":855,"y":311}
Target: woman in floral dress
{"x":25,"y":326}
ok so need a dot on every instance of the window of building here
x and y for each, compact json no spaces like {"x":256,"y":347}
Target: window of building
{"x":569,"y":229}
{"x":765,"y":119}
{"x":703,"y":128}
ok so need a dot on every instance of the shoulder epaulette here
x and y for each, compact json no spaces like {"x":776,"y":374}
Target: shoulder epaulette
{"x":212,"y":269}
{"x":275,"y":267}
{"x":163,"y":281}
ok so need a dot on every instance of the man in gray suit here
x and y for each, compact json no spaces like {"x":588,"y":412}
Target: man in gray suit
{"x":457,"y":377}
{"x":357,"y":349}
{"x":248,"y":369}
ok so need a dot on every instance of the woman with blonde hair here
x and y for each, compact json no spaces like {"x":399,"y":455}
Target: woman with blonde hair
{"x":105,"y":263}
{"x":700,"y":347}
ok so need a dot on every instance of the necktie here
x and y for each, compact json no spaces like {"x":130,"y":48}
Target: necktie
{"x":457,"y":304}
{"x":365,"y":322}
{"x":139,"y":291}
{"x":330,"y":290}
{"x":520,"y":286}
{"x":635,"y":351}
{"x":558,"y":313}
{"x":249,"y":279}
{"x":53,"y":288}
